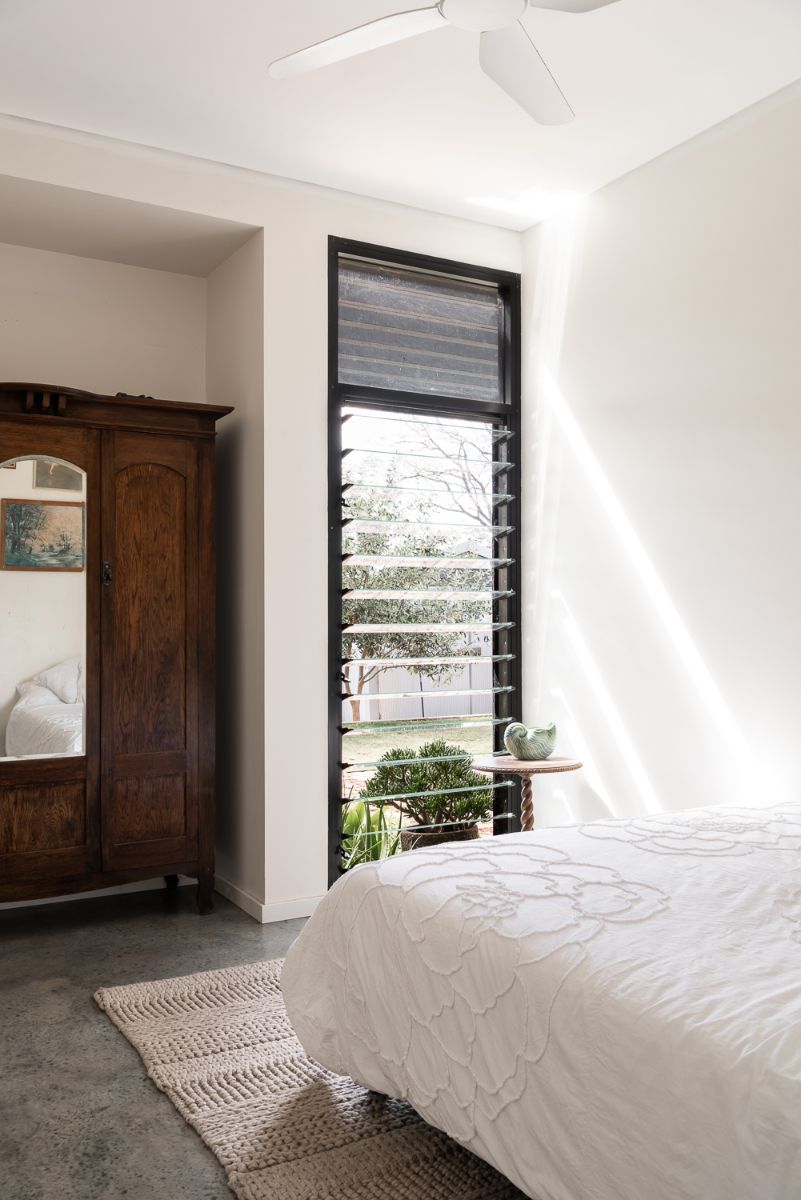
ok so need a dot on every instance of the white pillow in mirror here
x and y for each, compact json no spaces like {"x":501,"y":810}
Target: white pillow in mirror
{"x":34,"y":695}
{"x":61,"y":679}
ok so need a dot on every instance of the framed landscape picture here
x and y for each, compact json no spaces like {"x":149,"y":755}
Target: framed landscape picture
{"x":42,"y":535}
{"x":56,"y":475}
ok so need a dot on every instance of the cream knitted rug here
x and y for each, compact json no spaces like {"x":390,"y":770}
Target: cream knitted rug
{"x":220,"y":1045}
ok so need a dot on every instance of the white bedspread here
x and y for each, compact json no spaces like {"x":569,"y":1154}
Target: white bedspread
{"x":54,"y":728}
{"x":611,"y":1011}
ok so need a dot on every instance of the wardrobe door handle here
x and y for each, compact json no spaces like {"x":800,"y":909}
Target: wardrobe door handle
{"x":106,"y":574}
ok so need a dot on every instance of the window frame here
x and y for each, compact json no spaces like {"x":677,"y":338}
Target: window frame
{"x":506,"y":411}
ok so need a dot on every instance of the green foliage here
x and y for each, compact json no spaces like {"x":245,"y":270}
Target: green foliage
{"x":366,"y":835}
{"x":392,"y":777}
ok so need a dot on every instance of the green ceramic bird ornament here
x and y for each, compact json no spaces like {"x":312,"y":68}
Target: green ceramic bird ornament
{"x":529,"y":744}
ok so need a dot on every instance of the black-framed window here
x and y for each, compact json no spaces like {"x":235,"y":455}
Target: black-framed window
{"x":424,"y":546}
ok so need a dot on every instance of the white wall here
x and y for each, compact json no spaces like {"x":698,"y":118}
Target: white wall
{"x":235,"y":375}
{"x":100,"y":325}
{"x":664,"y":585}
{"x":297,"y":220}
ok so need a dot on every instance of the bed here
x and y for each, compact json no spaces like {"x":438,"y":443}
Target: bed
{"x":48,"y":715}
{"x":609,"y":1010}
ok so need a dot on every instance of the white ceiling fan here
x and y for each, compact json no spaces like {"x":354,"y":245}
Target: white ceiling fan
{"x":506,"y":52}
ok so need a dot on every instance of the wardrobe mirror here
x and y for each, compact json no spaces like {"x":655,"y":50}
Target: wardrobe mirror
{"x":42,"y":607}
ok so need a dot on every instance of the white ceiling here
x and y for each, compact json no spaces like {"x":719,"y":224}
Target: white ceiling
{"x":417,"y":122}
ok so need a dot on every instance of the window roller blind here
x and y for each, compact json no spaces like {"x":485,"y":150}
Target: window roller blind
{"x":403,"y":329}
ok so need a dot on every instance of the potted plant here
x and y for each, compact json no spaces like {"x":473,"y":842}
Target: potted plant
{"x":436,"y":789}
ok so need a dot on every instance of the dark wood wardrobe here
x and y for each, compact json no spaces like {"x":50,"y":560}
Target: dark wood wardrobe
{"x":126,"y":791}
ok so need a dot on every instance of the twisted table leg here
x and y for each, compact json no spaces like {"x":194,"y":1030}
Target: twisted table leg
{"x":526,"y":804}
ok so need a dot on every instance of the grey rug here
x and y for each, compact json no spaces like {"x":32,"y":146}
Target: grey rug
{"x":220,"y":1045}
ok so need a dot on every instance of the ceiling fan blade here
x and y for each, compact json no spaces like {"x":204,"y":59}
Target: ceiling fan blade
{"x":571,"y":6}
{"x":371,"y":36}
{"x":511,"y":59}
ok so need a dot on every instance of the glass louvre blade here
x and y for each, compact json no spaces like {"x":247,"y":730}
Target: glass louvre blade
{"x":429,"y":579}
{"x":382,"y":696}
{"x":409,"y":421}
{"x":400,"y":724}
{"x":391,"y":605}
{"x":426,"y":597}
{"x":409,"y":762}
{"x":495,"y":466}
{"x":444,"y":825}
{"x":406,"y":762}
{"x":476,"y":627}
{"x":507,"y":816}
{"x":435,"y":660}
{"x":378,"y":525}
{"x":425,"y":562}
{"x":443,"y":493}
{"x":489,"y":786}
{"x":353,"y":729}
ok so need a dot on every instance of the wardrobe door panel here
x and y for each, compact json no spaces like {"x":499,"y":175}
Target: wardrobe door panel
{"x":150,"y":516}
{"x":35,"y":818}
{"x":150,"y":617}
{"x":49,"y":615}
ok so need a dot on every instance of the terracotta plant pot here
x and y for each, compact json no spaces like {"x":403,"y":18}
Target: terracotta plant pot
{"x":410,"y":839}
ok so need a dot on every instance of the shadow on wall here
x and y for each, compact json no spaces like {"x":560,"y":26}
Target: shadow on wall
{"x":613,"y":655}
{"x":230,"y":641}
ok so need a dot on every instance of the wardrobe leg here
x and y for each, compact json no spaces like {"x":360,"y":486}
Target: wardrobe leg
{"x":171,"y":881}
{"x":205,"y":893}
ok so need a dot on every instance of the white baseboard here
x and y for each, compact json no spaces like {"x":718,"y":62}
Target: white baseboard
{"x":242,"y":899}
{"x":139,"y":885}
{"x":285,"y":910}
{"x":288,"y":910}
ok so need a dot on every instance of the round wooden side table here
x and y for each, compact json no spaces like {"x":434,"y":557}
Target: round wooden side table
{"x":504,"y":764}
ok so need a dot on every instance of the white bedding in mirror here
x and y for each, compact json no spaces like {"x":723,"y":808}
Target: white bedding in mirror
{"x":41,"y":723}
{"x":610,"y":1010}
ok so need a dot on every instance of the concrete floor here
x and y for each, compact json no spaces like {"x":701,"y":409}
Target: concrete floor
{"x":79,"y":1120}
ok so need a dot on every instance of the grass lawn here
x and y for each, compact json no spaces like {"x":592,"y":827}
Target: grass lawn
{"x":368,"y":747}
